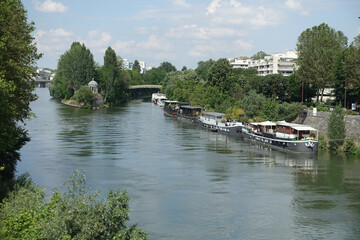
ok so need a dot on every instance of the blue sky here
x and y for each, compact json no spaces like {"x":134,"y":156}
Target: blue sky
{"x":182,"y":32}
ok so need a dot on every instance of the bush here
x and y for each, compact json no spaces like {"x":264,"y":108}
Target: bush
{"x":322,"y":143}
{"x":349,"y":146}
{"x":289,"y":111}
{"x":252,"y":103}
{"x":84,"y":95}
{"x":71,"y":213}
{"x":270,"y":109}
{"x":336,"y":128}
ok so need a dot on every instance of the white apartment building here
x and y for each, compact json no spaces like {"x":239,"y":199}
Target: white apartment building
{"x":240,"y":62}
{"x":275,"y":64}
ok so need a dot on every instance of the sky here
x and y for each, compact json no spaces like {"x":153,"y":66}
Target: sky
{"x":182,"y":32}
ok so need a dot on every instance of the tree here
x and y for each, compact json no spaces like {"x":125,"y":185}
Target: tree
{"x":116,"y":80}
{"x":252,"y":103}
{"x":184,"y":68}
{"x":336,"y":128}
{"x":218,"y":75}
{"x":318,"y":49}
{"x":76,"y":68}
{"x":71,"y":213}
{"x":18,"y":54}
{"x":259,"y":55}
{"x":167,"y":67}
{"x":136,"y":66}
{"x":352,"y":70}
{"x":154,"y":76}
{"x":203,"y":68}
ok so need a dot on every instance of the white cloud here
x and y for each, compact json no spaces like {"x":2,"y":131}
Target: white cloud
{"x":220,"y":48}
{"x":97,"y":41}
{"x":195,"y":32}
{"x":296,"y":5}
{"x":60,"y":32}
{"x":141,"y":30}
{"x":214,"y":5}
{"x":293,"y":4}
{"x":154,"y":43}
{"x":124,"y":47}
{"x":181,"y":3}
{"x":232,"y":12}
{"x":49,"y":6}
{"x":54,"y":41}
{"x":243,"y":44}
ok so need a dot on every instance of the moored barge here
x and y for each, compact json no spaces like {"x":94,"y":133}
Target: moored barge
{"x":283,"y":135}
{"x":215,"y":122}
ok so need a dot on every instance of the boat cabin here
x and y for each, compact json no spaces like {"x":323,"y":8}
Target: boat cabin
{"x":266,"y":128}
{"x":192,"y":111}
{"x":212,"y":117}
{"x":293,"y":131}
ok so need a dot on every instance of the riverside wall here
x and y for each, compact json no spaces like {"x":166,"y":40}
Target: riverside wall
{"x":320,"y":122}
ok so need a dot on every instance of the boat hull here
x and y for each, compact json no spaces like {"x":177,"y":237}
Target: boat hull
{"x":187,"y":118}
{"x":229,"y":130}
{"x":300,"y":146}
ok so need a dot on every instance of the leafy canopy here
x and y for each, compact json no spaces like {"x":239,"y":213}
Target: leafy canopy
{"x":71,"y":213}
{"x":18,"y":54}
{"x":76,"y":68}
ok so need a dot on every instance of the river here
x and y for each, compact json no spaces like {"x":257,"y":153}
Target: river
{"x":190,"y":183}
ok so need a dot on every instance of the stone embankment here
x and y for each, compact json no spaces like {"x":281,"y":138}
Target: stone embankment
{"x":320,"y":122}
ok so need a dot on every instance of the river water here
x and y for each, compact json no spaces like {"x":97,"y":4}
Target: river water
{"x":189,"y":183}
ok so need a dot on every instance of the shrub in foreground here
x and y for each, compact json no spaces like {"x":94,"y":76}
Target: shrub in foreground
{"x":71,"y":213}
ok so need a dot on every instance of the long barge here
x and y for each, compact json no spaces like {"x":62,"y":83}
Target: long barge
{"x":291,"y":137}
{"x":215,"y":122}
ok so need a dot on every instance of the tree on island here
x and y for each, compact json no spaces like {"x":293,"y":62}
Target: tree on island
{"x":116,"y":80}
{"x":76,"y":68}
{"x":318,"y":49}
{"x":18,"y":54}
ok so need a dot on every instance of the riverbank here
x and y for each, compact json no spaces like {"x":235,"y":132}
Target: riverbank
{"x":320,"y":122}
{"x":96,"y":104}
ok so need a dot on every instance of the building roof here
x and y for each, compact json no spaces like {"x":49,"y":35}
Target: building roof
{"x":215,"y":114}
{"x":299,"y":127}
{"x":93,"y":83}
{"x":190,"y":107}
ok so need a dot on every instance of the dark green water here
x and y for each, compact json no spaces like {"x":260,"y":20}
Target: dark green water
{"x":188,"y":183}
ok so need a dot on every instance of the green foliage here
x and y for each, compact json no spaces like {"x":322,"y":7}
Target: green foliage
{"x":18,"y":54}
{"x":252,"y":103}
{"x":167,"y":67}
{"x":115,"y":79}
{"x":259,"y":55}
{"x":71,"y":213}
{"x":218,"y":75}
{"x":336,"y":128}
{"x":322,"y":142}
{"x":84,"y":95}
{"x":289,"y":111}
{"x":349,"y":146}
{"x":203,"y":68}
{"x":154,"y":76}
{"x":318,"y":49}
{"x":270,"y":109}
{"x":76,"y":68}
{"x":136,"y":66}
